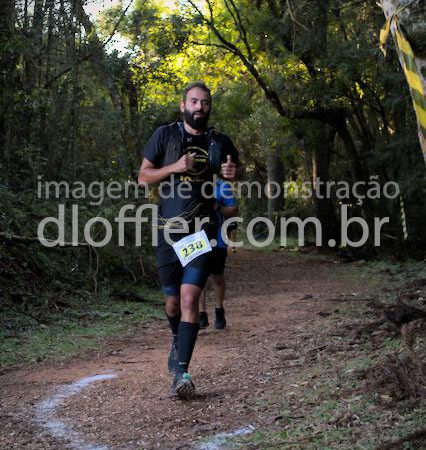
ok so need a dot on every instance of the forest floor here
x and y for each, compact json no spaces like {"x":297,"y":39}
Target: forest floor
{"x":304,"y":363}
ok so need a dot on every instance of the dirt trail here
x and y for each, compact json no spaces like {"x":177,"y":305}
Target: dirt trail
{"x":272,"y":297}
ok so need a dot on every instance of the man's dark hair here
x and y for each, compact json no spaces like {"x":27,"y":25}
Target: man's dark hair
{"x":197,"y":84}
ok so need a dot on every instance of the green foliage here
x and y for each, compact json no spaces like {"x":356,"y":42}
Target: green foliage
{"x":73,"y":110}
{"x":44,"y":287}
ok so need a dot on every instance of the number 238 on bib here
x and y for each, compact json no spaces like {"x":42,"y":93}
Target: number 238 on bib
{"x":191,"y":247}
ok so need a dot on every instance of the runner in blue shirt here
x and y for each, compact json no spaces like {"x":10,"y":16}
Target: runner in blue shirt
{"x":226,"y":207}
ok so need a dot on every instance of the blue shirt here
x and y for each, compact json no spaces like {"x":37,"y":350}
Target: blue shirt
{"x":225,"y":197}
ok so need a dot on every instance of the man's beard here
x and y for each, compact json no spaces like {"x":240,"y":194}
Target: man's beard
{"x":196,"y":122}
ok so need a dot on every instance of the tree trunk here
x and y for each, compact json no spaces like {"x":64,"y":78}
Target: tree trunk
{"x":324,"y":208}
{"x":99,"y":57}
{"x":132,"y":93}
{"x":104,"y":72}
{"x":32,"y":65}
{"x":412,"y":20}
{"x":275,"y":177}
{"x":44,"y":126}
{"x":75,"y":92}
{"x":7,"y":81}
{"x":358,"y":173}
{"x":323,"y":145}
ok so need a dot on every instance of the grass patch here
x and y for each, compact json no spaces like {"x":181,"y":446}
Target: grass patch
{"x":333,"y":413}
{"x":80,"y":325}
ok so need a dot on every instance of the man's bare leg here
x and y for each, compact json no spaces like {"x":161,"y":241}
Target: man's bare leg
{"x":188,"y":328}
{"x":189,"y":297}
{"x":187,"y":336}
{"x":203,"y":316}
{"x":219,"y":289}
{"x":172,"y":309}
{"x":203,"y":306}
{"x":172,"y":306}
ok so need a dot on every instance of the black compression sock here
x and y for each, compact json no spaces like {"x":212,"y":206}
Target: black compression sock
{"x":187,"y":336}
{"x":174,"y":322}
{"x":220,"y":313}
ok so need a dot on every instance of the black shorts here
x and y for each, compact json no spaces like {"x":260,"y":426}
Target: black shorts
{"x":164,"y":252}
{"x":173,"y":275}
{"x":217,"y":259}
{"x":171,"y":272}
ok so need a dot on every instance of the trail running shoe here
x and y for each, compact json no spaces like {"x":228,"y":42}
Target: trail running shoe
{"x":203,"y":319}
{"x":185,"y":388}
{"x":172,"y":361}
{"x":220,"y":321}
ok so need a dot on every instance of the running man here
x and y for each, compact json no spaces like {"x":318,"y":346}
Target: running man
{"x":232,"y":234}
{"x":226,"y":207}
{"x":185,"y":155}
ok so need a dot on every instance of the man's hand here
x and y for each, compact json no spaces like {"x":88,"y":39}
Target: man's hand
{"x":185,"y":163}
{"x":229,"y":169}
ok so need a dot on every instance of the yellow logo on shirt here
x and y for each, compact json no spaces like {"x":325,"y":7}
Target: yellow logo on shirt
{"x":200,"y":164}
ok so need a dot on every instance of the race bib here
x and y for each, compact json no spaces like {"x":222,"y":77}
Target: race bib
{"x":191,"y":247}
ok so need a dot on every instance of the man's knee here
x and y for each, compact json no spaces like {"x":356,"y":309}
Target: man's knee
{"x":172,"y":305}
{"x":189,"y":298}
{"x":219,"y":279}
